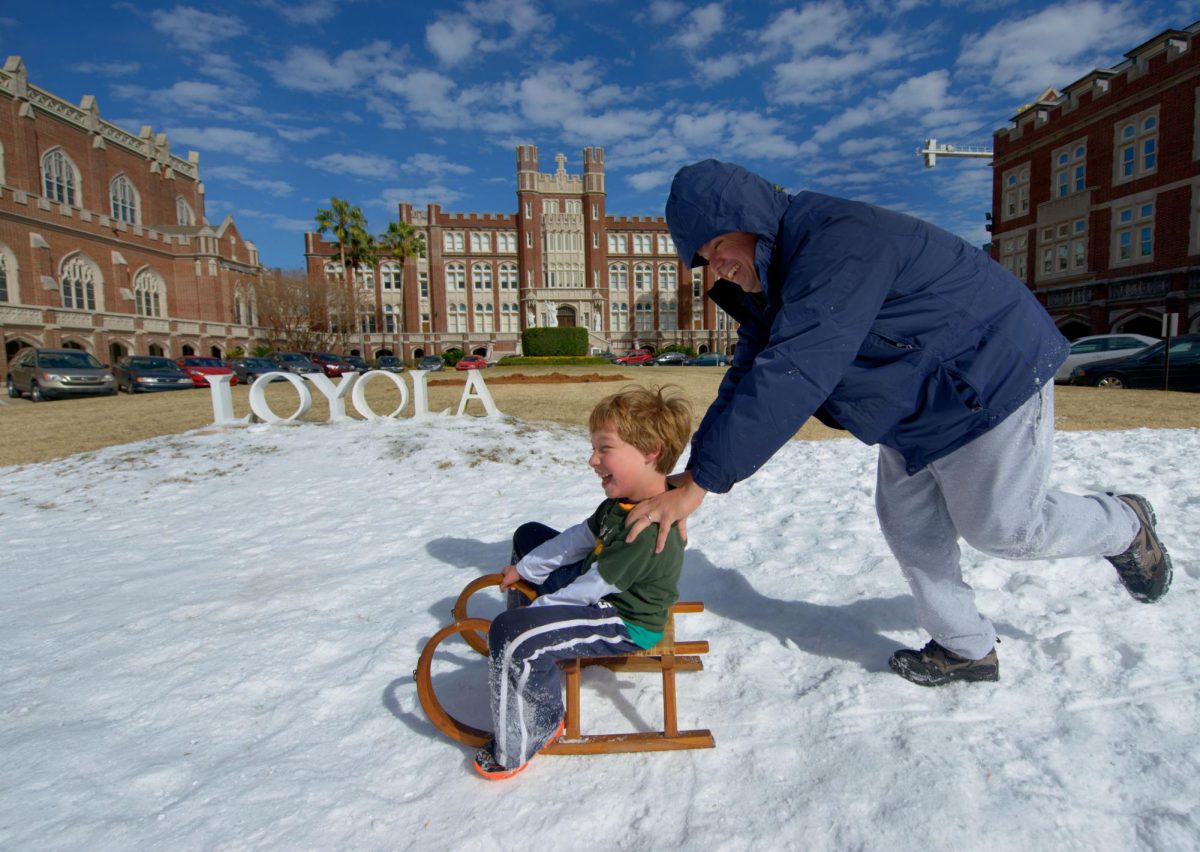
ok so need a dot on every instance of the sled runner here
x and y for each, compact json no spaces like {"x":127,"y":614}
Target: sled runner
{"x":667,"y":657}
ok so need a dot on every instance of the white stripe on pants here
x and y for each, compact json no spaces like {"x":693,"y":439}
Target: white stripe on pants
{"x":992,"y":493}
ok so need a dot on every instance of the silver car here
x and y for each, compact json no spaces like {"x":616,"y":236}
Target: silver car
{"x":1100,"y":347}
{"x":50,"y":373}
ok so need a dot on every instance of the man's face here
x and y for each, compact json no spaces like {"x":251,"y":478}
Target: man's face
{"x":732,"y":257}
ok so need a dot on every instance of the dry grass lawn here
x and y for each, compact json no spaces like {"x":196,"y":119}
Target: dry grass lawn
{"x":33,"y":432}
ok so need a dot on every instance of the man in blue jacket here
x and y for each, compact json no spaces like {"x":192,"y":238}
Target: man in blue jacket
{"x":909,"y":338}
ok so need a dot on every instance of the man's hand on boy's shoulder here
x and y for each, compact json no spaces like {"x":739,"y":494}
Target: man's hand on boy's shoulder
{"x":667,"y":509}
{"x":508,"y":576}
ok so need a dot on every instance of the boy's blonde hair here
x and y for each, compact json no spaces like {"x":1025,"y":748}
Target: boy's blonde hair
{"x":649,"y":419}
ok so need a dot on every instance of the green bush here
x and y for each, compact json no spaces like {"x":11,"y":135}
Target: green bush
{"x":261,"y":351}
{"x":452,"y":356}
{"x":676,"y":347}
{"x":235,"y":352}
{"x":554,"y":341}
{"x":552,"y":361}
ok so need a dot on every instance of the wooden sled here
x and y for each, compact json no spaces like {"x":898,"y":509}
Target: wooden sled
{"x":667,"y":657}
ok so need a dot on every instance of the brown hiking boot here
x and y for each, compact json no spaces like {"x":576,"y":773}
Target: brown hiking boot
{"x":1145,"y":567}
{"x":933,"y":665}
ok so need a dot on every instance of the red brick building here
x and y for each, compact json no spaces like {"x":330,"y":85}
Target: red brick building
{"x":1096,"y":196}
{"x":560,"y":259}
{"x":104,"y":245}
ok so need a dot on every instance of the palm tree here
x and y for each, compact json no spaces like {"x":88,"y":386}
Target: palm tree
{"x":400,"y":241}
{"x":356,"y":247}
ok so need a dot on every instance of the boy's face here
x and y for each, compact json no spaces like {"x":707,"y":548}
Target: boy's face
{"x":624,"y":470}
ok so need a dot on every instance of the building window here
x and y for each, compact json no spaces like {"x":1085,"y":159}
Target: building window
{"x":618,"y":244}
{"x":149,"y":293}
{"x":481,"y":242}
{"x":528,"y":209}
{"x":573,"y":206}
{"x":665,"y":244}
{"x":1016,"y":192}
{"x":618,"y":277}
{"x":510,"y":317}
{"x":423,"y":284}
{"x":642,"y":279}
{"x":644,"y":320}
{"x":452,"y":241}
{"x":60,"y":178}
{"x":529,"y":239}
{"x":481,"y":276}
{"x":333,"y":272}
{"x":364,"y":277}
{"x":79,"y":280}
{"x":1133,"y":233}
{"x":184,"y":215}
{"x":245,"y":305}
{"x":643,"y":244}
{"x":618,"y":313}
{"x":1014,"y":253}
{"x":698,"y":298}
{"x":595,"y":211}
{"x":1069,"y":171}
{"x":484,"y":318}
{"x":1063,"y":248}
{"x":124,"y":200}
{"x":668,"y":314}
{"x":506,"y":242}
{"x":389,"y":319}
{"x":1136,"y":147}
{"x":8,"y":274}
{"x":456,"y":276}
{"x":509,"y":278}
{"x":668,"y":277}
{"x":390,"y":276}
{"x":456,"y":317}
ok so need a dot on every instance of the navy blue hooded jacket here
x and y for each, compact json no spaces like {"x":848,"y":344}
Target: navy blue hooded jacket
{"x":895,"y":330}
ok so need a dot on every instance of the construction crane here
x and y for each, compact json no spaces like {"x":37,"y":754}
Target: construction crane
{"x":932,"y":150}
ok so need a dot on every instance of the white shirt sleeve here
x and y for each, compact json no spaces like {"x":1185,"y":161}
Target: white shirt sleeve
{"x":583,"y":591}
{"x":570,"y":545}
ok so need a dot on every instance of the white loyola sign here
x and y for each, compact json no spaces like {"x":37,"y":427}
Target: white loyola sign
{"x":351,"y":384}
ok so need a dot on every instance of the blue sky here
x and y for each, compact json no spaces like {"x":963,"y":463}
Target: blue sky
{"x":289,"y":103}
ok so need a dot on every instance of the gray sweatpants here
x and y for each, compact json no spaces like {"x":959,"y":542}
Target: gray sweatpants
{"x":991,"y":493}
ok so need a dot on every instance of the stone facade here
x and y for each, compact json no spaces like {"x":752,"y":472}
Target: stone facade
{"x":1096,"y":196}
{"x":560,"y":259}
{"x":104,"y":245}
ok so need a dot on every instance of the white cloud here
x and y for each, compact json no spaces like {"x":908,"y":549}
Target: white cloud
{"x":107,"y":69}
{"x":700,"y":26}
{"x":454,"y":38}
{"x":819,"y":79}
{"x":651,"y":179}
{"x":810,"y":28}
{"x":302,"y":134}
{"x":243,"y":143}
{"x":433,"y":163}
{"x":245,"y":177}
{"x":666,"y":11}
{"x":308,"y":69}
{"x":195,"y":30}
{"x":309,"y":13}
{"x":358,"y":165}
{"x":417,"y":196}
{"x":1053,"y":47}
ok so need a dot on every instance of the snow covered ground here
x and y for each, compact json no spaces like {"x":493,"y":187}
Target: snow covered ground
{"x":207,"y":642}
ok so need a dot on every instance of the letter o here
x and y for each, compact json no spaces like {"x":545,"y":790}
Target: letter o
{"x":359,"y":397}
{"x":258,"y":397}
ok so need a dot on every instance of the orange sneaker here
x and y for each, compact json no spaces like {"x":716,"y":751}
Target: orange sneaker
{"x":487,"y":765}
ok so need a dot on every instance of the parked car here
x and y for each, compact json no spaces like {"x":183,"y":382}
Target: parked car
{"x":198,"y":368}
{"x":668,"y":359}
{"x":471,"y":362}
{"x":248,"y":369}
{"x":708,"y":359}
{"x":294,"y":362}
{"x":333,"y":365}
{"x":1101,"y":347}
{"x":431,"y":363}
{"x":358,"y":362}
{"x":150,"y":373}
{"x":390,"y":363}
{"x":49,"y":373}
{"x":637,"y":356}
{"x":1144,"y":368}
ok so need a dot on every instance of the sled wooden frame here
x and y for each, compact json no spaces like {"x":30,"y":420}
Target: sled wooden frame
{"x":668,"y":657}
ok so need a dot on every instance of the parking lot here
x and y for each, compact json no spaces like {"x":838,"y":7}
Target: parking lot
{"x":31,"y":432}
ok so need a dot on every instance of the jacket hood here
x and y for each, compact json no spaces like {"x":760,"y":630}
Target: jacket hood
{"x":711,"y":198}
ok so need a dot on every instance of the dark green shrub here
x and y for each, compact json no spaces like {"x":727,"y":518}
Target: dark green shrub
{"x":554,"y":341}
{"x":452,"y":356}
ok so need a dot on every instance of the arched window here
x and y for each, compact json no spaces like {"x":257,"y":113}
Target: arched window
{"x":149,"y":293}
{"x":456,"y":317}
{"x":456,"y":277}
{"x":389,"y":275}
{"x":481,"y":276}
{"x":80,"y":279}
{"x":389,"y":319}
{"x":124,"y":200}
{"x":60,"y":178}
{"x":8,"y":274}
{"x":484,"y":317}
{"x":668,"y":277}
{"x":245,"y":304}
{"x":509,"y":277}
{"x":184,"y":214}
{"x":364,"y":277}
{"x":2,"y":180}
{"x":641,"y":278}
{"x":618,"y":276}
{"x":619,"y":316}
{"x":333,"y":272}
